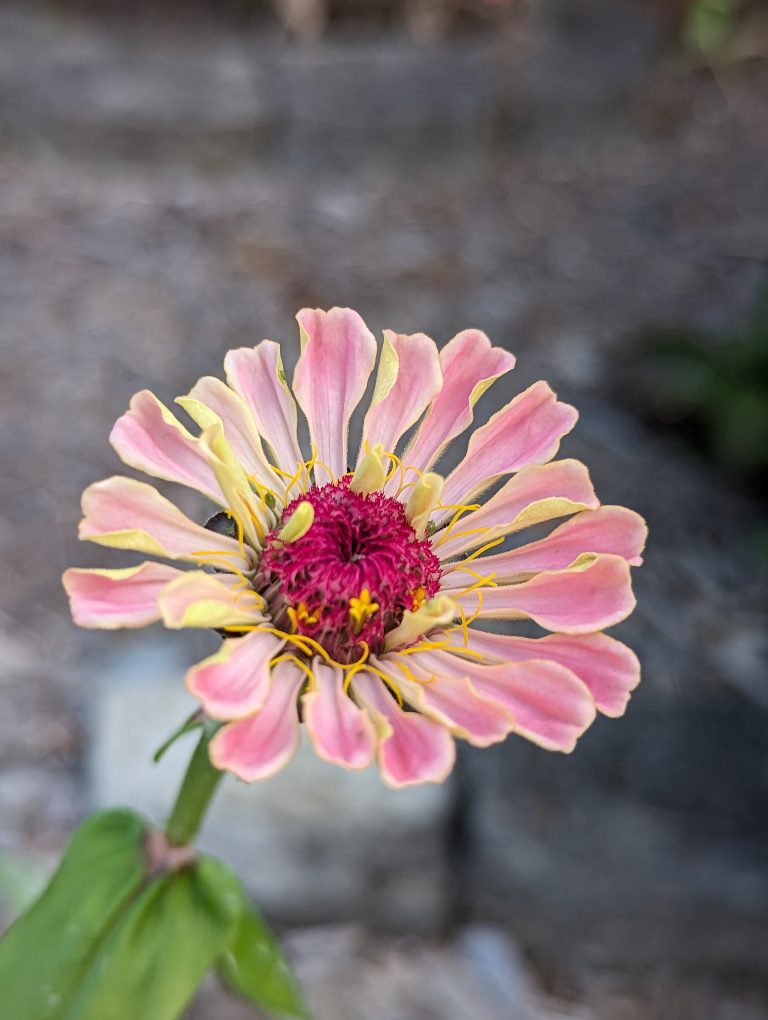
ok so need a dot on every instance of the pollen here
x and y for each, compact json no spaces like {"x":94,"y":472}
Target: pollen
{"x":355,"y":572}
{"x":361,"y":610}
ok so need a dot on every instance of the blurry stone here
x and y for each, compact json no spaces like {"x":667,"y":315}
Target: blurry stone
{"x":314,"y":843}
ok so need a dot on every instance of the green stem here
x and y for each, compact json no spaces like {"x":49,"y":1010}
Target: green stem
{"x":197,"y":789}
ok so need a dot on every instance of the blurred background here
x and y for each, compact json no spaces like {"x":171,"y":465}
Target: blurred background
{"x":586,"y":181}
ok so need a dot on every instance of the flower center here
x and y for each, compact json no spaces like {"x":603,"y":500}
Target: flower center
{"x":353,"y":575}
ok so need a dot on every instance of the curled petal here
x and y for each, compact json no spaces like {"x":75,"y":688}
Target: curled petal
{"x":453,"y":701}
{"x":535,"y":494}
{"x":151,"y":439}
{"x":409,"y":376}
{"x":340,"y":731}
{"x":109,"y":599}
{"x":549,"y":704}
{"x":126,"y":514}
{"x":256,"y":374}
{"x":609,"y":529}
{"x":197,"y":599}
{"x":469,"y":365}
{"x":212,"y":402}
{"x":412,"y":749}
{"x":251,"y":514}
{"x":235,"y":681}
{"x":574,"y":601}
{"x":527,"y":431}
{"x":337,"y":357}
{"x":605,"y":665}
{"x":260,"y":745}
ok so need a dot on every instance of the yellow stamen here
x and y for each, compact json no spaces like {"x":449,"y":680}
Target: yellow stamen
{"x":419,"y":596}
{"x":289,"y":657}
{"x":361,"y":610}
{"x":301,"y":614}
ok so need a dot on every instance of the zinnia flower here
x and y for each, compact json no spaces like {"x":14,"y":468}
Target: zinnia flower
{"x":350,"y":597}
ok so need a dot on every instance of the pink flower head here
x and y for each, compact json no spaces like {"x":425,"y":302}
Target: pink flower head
{"x":352,"y":597}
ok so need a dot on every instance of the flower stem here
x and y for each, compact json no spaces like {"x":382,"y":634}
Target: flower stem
{"x":197,"y":789}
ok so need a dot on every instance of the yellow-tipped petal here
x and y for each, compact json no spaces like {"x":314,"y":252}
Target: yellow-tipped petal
{"x":423,"y":500}
{"x":437,"y":612}
{"x":371,"y":472}
{"x":298,"y":524}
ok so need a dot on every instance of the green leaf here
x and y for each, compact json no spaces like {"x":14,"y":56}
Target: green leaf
{"x":45,"y":954}
{"x":710,"y":25}
{"x":255,"y":968}
{"x":158,"y":953}
{"x":194,"y":722}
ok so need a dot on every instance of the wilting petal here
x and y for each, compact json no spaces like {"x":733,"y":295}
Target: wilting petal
{"x":549,"y":704}
{"x":609,"y":529}
{"x":235,"y":681}
{"x":607,"y":667}
{"x":256,"y":374}
{"x":536,"y":494}
{"x":197,"y":599}
{"x":337,"y":357}
{"x":409,"y":376}
{"x":340,"y":731}
{"x":257,"y":747}
{"x":526,"y":431}
{"x":117,"y":598}
{"x":412,"y":748}
{"x":212,"y":402}
{"x":126,"y":514}
{"x":151,"y":439}
{"x":469,"y":365}
{"x":453,"y":701}
{"x":574,"y":601}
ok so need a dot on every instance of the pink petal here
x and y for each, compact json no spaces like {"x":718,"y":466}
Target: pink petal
{"x":412,"y":748}
{"x":453,"y":701}
{"x":409,"y":377}
{"x":232,"y":413}
{"x":609,"y":529}
{"x":572,"y":601}
{"x":340,"y":731}
{"x":150,"y":438}
{"x":526,"y":431}
{"x":535,"y":494}
{"x":606,"y":666}
{"x":198,"y":599}
{"x":259,"y":746}
{"x":469,"y":365}
{"x":117,"y":598}
{"x":337,"y":358}
{"x":549,"y":704}
{"x":235,"y":681}
{"x":127,"y":514}
{"x":256,"y":374}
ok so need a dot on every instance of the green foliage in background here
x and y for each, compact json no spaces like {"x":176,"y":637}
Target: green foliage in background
{"x":109,"y":939}
{"x":709,"y":26}
{"x":712,"y":390}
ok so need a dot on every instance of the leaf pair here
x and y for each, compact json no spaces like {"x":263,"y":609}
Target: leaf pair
{"x":107,"y":940}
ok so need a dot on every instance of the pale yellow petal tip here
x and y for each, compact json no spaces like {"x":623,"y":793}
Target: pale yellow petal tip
{"x":423,"y":500}
{"x":371,"y":473}
{"x":298,"y":524}
{"x":437,"y":612}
